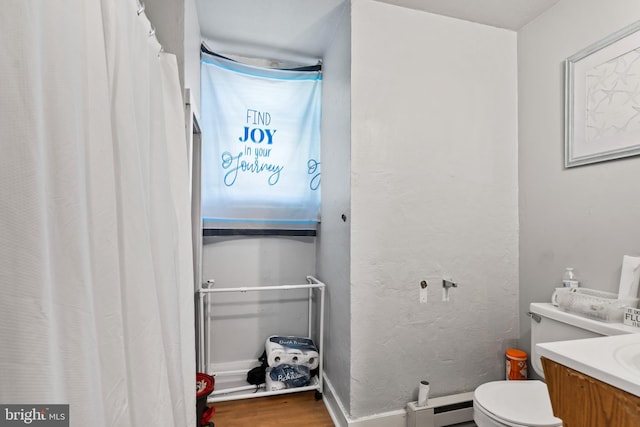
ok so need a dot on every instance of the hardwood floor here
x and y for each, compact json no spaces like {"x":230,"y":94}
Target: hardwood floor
{"x":285,"y":410}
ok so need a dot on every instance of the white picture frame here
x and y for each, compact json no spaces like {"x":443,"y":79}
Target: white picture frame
{"x":602,"y":100}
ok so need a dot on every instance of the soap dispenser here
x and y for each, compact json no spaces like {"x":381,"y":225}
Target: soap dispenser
{"x":569,"y":278}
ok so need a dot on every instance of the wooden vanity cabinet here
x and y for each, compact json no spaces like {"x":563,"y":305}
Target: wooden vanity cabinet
{"x":583,"y":401}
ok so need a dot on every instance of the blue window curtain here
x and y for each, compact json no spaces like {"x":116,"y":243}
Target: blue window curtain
{"x":260,"y":146}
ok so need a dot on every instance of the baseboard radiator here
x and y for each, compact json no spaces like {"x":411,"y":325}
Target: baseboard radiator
{"x":441,"y":411}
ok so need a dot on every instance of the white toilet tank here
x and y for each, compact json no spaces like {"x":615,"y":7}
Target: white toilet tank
{"x":549,"y":323}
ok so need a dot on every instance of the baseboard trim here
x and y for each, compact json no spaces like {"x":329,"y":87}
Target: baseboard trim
{"x":396,"y":418}
{"x":334,"y":405}
{"x":341,"y":418}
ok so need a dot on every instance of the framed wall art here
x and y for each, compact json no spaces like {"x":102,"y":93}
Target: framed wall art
{"x":602,"y":100}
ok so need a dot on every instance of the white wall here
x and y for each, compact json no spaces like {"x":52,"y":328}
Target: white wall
{"x":333,"y":252}
{"x":242,"y":322}
{"x":434,"y":192}
{"x":178,"y":31}
{"x":192,"y":42}
{"x":584,"y":217}
{"x":167,"y":18}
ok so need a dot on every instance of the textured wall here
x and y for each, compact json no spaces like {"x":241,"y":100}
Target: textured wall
{"x":584,"y":217}
{"x":434,"y":192}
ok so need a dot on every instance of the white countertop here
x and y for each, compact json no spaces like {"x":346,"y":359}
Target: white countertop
{"x":596,"y":357}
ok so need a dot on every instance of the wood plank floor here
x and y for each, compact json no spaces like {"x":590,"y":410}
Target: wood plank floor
{"x":285,"y":410}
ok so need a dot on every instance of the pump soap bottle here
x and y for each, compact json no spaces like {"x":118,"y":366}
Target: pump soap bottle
{"x":569,"y":279}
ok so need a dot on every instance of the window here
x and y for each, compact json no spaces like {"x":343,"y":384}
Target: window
{"x":260,"y":146}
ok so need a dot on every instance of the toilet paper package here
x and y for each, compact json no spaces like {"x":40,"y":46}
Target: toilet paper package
{"x":271,"y":384}
{"x":278,"y":356}
{"x":311,"y":359}
{"x":291,"y":350}
{"x":290,"y":343}
{"x":287,"y":376}
{"x":295,"y":355}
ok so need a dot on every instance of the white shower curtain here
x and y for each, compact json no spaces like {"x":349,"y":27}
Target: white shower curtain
{"x":96,"y":291}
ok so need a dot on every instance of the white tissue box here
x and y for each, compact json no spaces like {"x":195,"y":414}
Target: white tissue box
{"x":632,"y":317}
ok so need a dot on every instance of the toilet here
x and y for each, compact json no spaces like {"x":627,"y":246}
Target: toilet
{"x":526,"y":403}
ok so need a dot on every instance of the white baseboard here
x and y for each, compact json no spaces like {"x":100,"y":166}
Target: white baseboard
{"x":396,"y":418}
{"x":334,"y":404}
{"x":340,"y":417}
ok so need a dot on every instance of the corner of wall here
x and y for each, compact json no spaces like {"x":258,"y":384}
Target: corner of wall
{"x":333,"y":250}
{"x":192,"y":41}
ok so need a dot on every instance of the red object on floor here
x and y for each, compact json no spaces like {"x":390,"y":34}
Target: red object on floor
{"x":204,"y":387}
{"x":206,"y":416}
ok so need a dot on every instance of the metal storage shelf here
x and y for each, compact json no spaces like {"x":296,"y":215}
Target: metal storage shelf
{"x":222,"y":392}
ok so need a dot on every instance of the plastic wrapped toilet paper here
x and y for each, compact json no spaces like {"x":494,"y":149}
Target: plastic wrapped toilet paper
{"x":287,"y":376}
{"x":291,"y":350}
{"x":311,"y":359}
{"x":295,"y":355}
{"x":271,"y":384}
{"x":629,"y":277}
{"x":278,"y":356}
{"x":276,"y":353}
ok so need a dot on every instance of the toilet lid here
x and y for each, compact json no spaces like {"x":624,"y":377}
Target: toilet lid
{"x":519,"y":402}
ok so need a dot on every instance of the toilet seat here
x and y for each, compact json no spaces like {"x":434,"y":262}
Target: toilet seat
{"x":516,"y":403}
